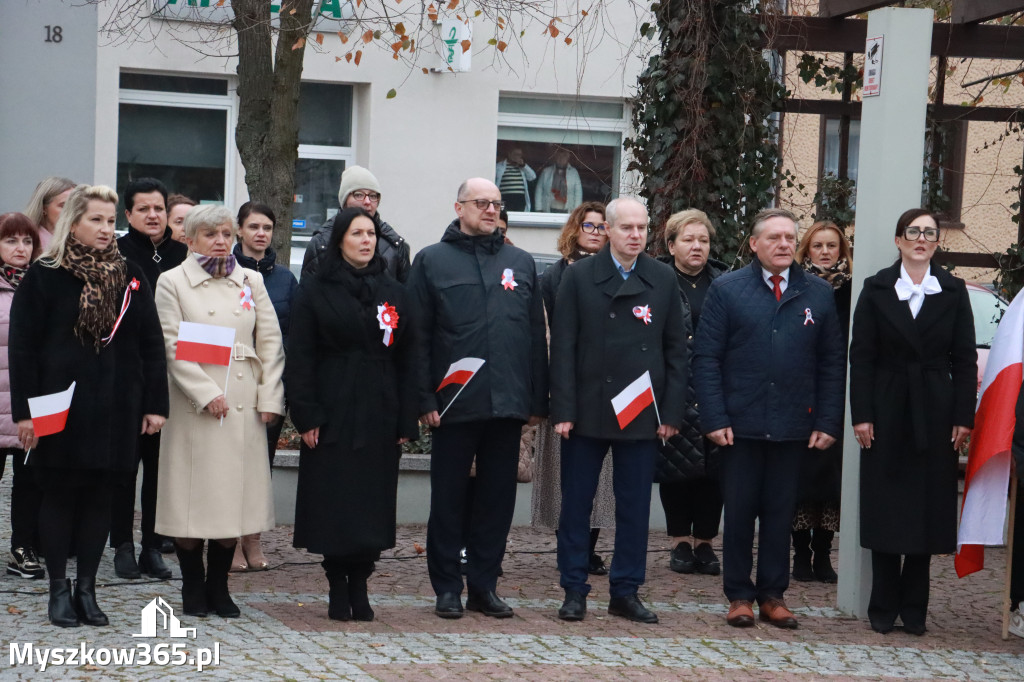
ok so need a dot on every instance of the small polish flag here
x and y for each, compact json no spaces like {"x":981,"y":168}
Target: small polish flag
{"x":50,"y":412}
{"x":206,"y":343}
{"x":633,"y":400}
{"x":461,"y":371}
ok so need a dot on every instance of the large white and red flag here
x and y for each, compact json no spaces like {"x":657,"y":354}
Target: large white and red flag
{"x":207,"y":343}
{"x":988,"y":459}
{"x":50,"y":412}
{"x":461,"y":371}
{"x":633,"y":400}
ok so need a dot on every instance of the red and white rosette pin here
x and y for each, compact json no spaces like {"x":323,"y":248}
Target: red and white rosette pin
{"x":808,"y":319}
{"x":387,"y":317}
{"x":246,"y":297}
{"x":125,"y":302}
{"x":508,"y":280}
{"x":642,"y":313}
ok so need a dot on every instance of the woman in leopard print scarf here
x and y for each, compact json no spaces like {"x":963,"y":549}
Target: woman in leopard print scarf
{"x":104,"y":272}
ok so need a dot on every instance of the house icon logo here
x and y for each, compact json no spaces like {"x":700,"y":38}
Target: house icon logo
{"x":159,"y":614}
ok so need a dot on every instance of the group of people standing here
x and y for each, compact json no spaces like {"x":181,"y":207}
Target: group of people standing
{"x":726,"y":387}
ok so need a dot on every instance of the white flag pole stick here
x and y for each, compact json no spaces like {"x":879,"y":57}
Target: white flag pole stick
{"x":657,"y":415}
{"x":227,"y":381}
{"x":27,"y":453}
{"x":456,"y":396}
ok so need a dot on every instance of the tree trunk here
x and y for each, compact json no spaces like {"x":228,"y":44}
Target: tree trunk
{"x":267,"y":135}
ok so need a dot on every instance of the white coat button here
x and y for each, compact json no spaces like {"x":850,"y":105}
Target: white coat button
{"x":239,"y":408}
{"x":238,"y":312}
{"x":206,"y":284}
{"x":211,"y":312}
{"x":239,"y":375}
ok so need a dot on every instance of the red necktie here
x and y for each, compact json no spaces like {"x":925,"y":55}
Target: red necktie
{"x":777,"y":286}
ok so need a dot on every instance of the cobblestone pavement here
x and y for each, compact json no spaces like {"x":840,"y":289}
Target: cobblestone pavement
{"x":284,"y":632}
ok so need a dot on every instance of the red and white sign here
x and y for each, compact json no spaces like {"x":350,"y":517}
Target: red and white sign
{"x":209,"y":344}
{"x":872,"y":68}
{"x":988,"y":460}
{"x":461,"y":371}
{"x":633,"y":400}
{"x":50,"y":412}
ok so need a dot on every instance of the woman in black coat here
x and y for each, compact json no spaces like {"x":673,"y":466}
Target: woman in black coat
{"x":691,"y":498}
{"x":83,"y":314}
{"x":913,"y":383}
{"x":824,"y":251}
{"x":352,"y":394}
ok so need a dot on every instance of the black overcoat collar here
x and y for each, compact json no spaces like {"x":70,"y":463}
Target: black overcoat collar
{"x":898,"y":312}
{"x":609,"y":280}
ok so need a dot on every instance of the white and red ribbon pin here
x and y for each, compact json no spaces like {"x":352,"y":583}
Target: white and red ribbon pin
{"x":125,"y":302}
{"x":642,"y":312}
{"x":246,"y":296}
{"x":807,"y":317}
{"x":387,"y":317}
{"x":508,"y":280}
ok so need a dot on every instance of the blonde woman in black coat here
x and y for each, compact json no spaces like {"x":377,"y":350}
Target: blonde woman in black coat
{"x":913,"y":380}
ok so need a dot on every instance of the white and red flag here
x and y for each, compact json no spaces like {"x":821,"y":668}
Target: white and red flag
{"x":50,"y":412}
{"x":633,"y":400}
{"x":988,"y":460}
{"x":210,"y":344}
{"x":461,"y":371}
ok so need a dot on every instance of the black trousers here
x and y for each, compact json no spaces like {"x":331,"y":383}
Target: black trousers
{"x":759,"y":483}
{"x":1017,"y":566}
{"x":122,"y":511}
{"x":25,"y":500}
{"x":692,"y":507}
{"x":495,"y":443}
{"x":899,"y":590}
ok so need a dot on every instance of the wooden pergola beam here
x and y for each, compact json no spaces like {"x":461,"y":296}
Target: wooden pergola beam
{"x":975,"y":11}
{"x":834,"y":108}
{"x":817,"y":34}
{"x":837,"y":9}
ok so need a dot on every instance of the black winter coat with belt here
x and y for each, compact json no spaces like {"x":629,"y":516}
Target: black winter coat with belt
{"x":465,"y":310}
{"x":342,"y":377}
{"x":686,"y":455}
{"x":115,"y":387}
{"x":914,"y":379}
{"x":600,"y":344}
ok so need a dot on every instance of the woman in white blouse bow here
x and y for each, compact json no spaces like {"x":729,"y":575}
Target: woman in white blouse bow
{"x":913,"y":382}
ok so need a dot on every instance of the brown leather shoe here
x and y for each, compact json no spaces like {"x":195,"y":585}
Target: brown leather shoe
{"x":775,"y":612}
{"x":741,"y":614}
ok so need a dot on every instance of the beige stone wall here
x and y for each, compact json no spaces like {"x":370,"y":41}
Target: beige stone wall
{"x":990,"y":156}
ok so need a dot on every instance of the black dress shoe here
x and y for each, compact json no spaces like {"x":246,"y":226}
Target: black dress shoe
{"x":85,"y":603}
{"x":151,"y":562}
{"x":881,"y":627}
{"x":631,"y":608}
{"x":488,"y":604}
{"x":914,"y":629}
{"x":681,"y":560}
{"x":124,"y":561}
{"x":705,"y":561}
{"x":574,"y":607}
{"x":61,"y":610}
{"x":167,"y":546}
{"x":448,"y":605}
{"x":596,"y":566}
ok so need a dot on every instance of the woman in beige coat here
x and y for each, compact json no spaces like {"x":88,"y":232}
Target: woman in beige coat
{"x":214,"y":480}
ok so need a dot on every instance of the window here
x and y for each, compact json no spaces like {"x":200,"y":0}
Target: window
{"x":554,"y":154}
{"x":178,"y":130}
{"x":325,"y":149}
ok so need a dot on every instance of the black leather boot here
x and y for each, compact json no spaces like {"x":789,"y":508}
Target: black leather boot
{"x":218,"y":563}
{"x":61,"y":610}
{"x":338,"y":607}
{"x":821,"y":543}
{"x":85,"y":602}
{"x":802,"y":570}
{"x":358,"y":573}
{"x":193,"y":581}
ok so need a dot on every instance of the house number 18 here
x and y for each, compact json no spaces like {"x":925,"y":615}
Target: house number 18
{"x":54,"y":34}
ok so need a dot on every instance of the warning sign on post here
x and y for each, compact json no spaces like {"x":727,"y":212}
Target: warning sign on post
{"x":872,"y":67}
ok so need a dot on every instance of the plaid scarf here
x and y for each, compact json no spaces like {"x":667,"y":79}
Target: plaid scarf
{"x":218,"y":266}
{"x":105,"y":275}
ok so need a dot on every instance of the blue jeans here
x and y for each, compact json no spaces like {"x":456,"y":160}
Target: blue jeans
{"x":632,"y":476}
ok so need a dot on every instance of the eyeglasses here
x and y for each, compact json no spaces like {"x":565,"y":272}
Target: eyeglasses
{"x":372,"y":196}
{"x":591,"y":228}
{"x":912,"y":233}
{"x":482,"y":204}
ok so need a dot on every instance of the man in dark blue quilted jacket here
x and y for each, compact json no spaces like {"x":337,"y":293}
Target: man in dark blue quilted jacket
{"x":768,"y":367}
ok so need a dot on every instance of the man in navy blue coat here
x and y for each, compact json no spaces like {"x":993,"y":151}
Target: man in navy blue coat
{"x":618,"y":320}
{"x":768,"y":368}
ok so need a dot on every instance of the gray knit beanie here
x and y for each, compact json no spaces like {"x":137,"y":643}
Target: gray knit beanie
{"x":353,"y":178}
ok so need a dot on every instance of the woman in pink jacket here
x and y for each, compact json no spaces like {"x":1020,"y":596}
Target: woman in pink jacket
{"x":19,"y":246}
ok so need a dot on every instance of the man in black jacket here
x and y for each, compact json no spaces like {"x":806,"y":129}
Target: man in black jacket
{"x":768,"y":367}
{"x":360,"y":189}
{"x":618,"y":379}
{"x":477,"y":299}
{"x":149,"y":245}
